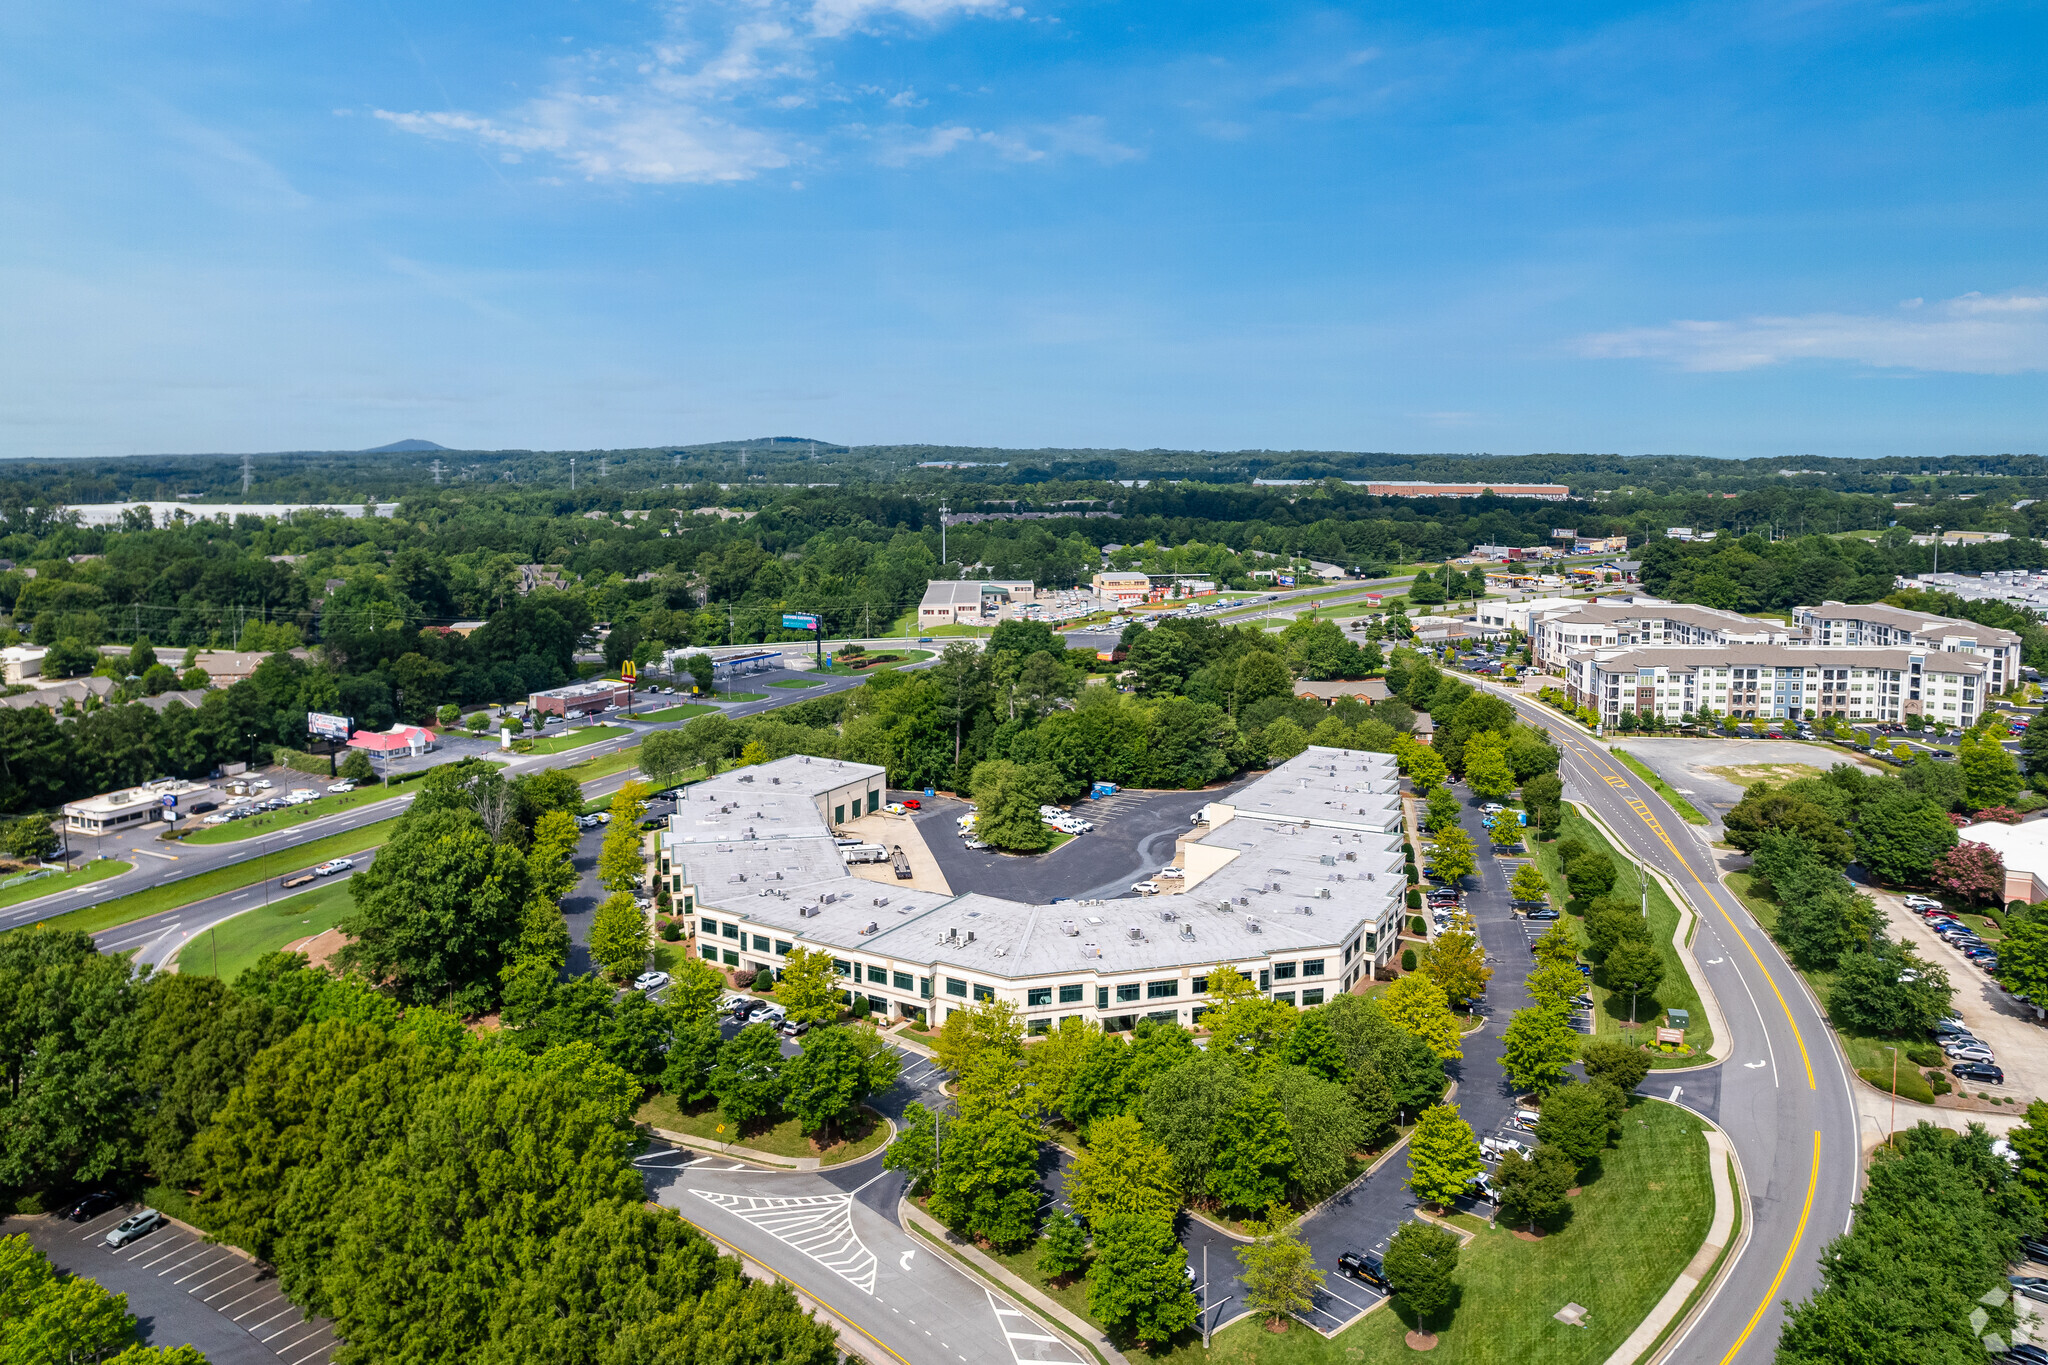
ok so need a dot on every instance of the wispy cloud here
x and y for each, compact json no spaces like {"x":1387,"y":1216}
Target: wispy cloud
{"x":1085,"y":137}
{"x":708,"y":100}
{"x":1974,"y":334}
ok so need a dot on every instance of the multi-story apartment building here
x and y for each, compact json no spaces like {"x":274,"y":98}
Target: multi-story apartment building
{"x":1781,"y":682}
{"x":1555,"y":638}
{"x":1296,"y":883}
{"x":1874,"y":623}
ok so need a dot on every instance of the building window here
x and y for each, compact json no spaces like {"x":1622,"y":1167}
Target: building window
{"x":782,"y":946}
{"x":709,"y":926}
{"x":839,"y":815}
{"x":1314,"y":997}
{"x":1038,"y":1026}
{"x":1283,"y":971}
{"x":955,"y":986}
{"x":874,"y":802}
{"x":732,"y":959}
{"x":902,"y":981}
{"x":689,"y":902}
{"x":1312,"y":967}
{"x":1071,"y":995}
{"x":878,"y":975}
{"x":708,"y":953}
{"x":1127,"y":991}
{"x":1161,"y":990}
{"x":1265,"y":979}
{"x":1199,"y":986}
{"x":760,"y":943}
{"x":924,"y":987}
{"x":841,"y":967}
{"x":731,"y":931}
{"x":1283,"y":997}
{"x":982,"y":992}
{"x":1038,"y":995}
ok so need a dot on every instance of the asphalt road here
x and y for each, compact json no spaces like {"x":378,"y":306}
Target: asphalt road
{"x":1783,"y":1096}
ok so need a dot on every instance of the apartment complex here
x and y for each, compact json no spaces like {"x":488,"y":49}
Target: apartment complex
{"x":1296,"y":883}
{"x":1874,"y":623}
{"x":1780,"y":682}
{"x":1555,"y":638}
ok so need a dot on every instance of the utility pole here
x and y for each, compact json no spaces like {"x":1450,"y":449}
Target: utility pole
{"x":572,"y":473}
{"x":1937,"y":549}
{"x":604,"y":467}
{"x":247,"y":476}
{"x":943,"y":509}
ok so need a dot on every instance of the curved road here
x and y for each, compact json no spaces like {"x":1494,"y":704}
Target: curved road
{"x":1785,"y":1100}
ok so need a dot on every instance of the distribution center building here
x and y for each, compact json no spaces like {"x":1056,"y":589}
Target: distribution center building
{"x":1296,"y":882}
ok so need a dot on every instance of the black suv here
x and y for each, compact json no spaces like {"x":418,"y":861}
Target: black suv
{"x":1979,"y":1071}
{"x":1364,"y":1266}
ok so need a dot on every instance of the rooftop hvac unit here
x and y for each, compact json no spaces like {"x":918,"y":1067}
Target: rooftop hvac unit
{"x":1134,"y":934}
{"x":1244,"y":900}
{"x":1306,"y":910}
{"x":778,"y":876}
{"x":748,"y":778}
{"x":871,"y":928}
{"x":1350,"y":855}
{"x":807,"y":911}
{"x":1166,"y":916}
{"x":829,"y":897}
{"x":1090,"y":950}
{"x":881,"y":900}
{"x":1369,"y":877}
{"x":1187,"y":933}
{"x":776,"y":780}
{"x":1002,"y":952}
{"x":1327,"y":860}
{"x":1070,"y":929}
{"x":1322,"y":893}
{"x":970,"y":936}
{"x":1251,"y":924}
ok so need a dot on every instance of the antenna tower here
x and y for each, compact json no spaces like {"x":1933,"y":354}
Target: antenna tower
{"x":943,"y":509}
{"x":246,"y":476}
{"x":437,"y":473}
{"x":572,"y":473}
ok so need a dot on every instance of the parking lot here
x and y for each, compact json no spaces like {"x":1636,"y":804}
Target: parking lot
{"x":2007,"y":1028}
{"x":183,"y":1289}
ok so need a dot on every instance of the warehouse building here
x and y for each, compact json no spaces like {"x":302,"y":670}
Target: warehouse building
{"x":1297,"y":883}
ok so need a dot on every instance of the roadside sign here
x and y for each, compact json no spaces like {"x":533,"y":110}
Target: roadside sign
{"x":799,"y":620}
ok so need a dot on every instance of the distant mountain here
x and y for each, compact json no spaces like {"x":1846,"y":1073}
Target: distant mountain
{"x":402,"y":447}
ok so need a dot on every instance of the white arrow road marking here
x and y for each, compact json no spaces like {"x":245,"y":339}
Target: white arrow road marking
{"x":1043,"y":1345}
{"x":1712,"y":961}
{"x":1751,"y":1066}
{"x":820,"y":1226}
{"x":1676,"y":1091}
{"x":904,"y":1264}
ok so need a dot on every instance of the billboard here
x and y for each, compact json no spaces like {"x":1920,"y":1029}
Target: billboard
{"x":1566,"y":534}
{"x":322,"y":726}
{"x":799,"y":620}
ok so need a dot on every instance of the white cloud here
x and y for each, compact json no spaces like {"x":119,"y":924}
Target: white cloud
{"x":1974,"y":334}
{"x":704,"y":104}
{"x":903,"y":144}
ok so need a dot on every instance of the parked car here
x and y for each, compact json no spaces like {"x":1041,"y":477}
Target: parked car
{"x":897,"y":808}
{"x":1979,"y":1071}
{"x":1922,"y":903}
{"x":650,"y":981}
{"x":91,"y":1207}
{"x":913,"y":804}
{"x":2036,"y":1248}
{"x":795,"y":1028}
{"x":1360,"y":1265}
{"x":1146,"y":888}
{"x":1170,"y":874}
{"x":2029,"y":1286}
{"x":1544,"y":915}
{"x":133,"y":1226}
{"x":1970,"y":1052}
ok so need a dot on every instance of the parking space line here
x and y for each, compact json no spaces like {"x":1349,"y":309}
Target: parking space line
{"x":308,"y":1355}
{"x":231,"y":1270}
{"x":256,"y":1286}
{"x":210,"y":1265}
{"x":135,"y":1257}
{"x":116,"y":1216}
{"x":247,"y":1311}
{"x":289,"y":1307}
{"x":200,"y":1252}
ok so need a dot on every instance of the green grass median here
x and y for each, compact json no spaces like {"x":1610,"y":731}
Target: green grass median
{"x":256,"y":826}
{"x":574,"y":739}
{"x":228,"y":948}
{"x":683,"y":712}
{"x":169,"y":896}
{"x":97,"y":870}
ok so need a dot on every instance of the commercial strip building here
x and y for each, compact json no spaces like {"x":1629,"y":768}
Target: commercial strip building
{"x":2027,"y":588}
{"x":1296,"y":882}
{"x":1779,"y":682}
{"x":582,"y":699}
{"x":165,"y":799}
{"x":1121,"y":588}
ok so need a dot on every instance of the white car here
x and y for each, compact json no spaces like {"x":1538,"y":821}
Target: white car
{"x":133,"y":1226}
{"x":1146,"y":888}
{"x":1493,"y":1149}
{"x":1050,"y":812}
{"x":214,"y":820}
{"x":971,"y":842}
{"x":1922,"y":903}
{"x":1170,"y":874}
{"x":650,"y":981}
{"x":1970,"y":1052}
{"x":342,"y":787}
{"x":897,"y":808}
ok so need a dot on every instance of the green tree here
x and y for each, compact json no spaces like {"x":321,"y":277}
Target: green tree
{"x":1443,"y":1155}
{"x":1284,"y":739}
{"x":1123,"y":1172}
{"x":1418,"y":1005}
{"x":1616,"y":1064}
{"x":1184,"y":1109}
{"x":621,"y":862}
{"x":666,"y":755}
{"x":1487,"y":771}
{"x":1590,"y":873}
{"x":808,"y":988}
{"x":1527,"y":884}
{"x":748,"y":1076}
{"x":1634,"y":969}
{"x":1899,"y":834}
{"x":1888,"y":989}
{"x":1544,"y":796}
{"x":1052,"y":1062}
{"x":1425,"y":768}
{"x":1278,"y":1269}
{"x":1534,"y":1191}
{"x":692,"y":1057}
{"x":915,"y":1150}
{"x":1457,"y":963}
{"x":1554,"y":984}
{"x":1007,"y":797}
{"x":986,"y":1160}
{"x":2029,"y":1143}
{"x":2023,"y":959}
{"x":355,"y":767}
{"x":1453,"y":856}
{"x":988,"y":1028}
{"x":1420,"y":1260}
{"x":1537,"y":1048}
{"x":826,"y":1083}
{"x":68,"y":1034}
{"x":1609,"y":922}
{"x":30,"y":838}
{"x":1578,"y":1121}
{"x":1063,"y":1248}
{"x":1556,"y":945}
{"x":438,"y":913}
{"x":1138,"y":1286}
{"x":1253,"y":1160}
{"x":1991,"y":776}
{"x":1504,"y":834}
{"x":619,"y":938}
{"x":196,"y":1040}
{"x":55,"y":1319}
{"x":1325,"y":1125}
{"x":1311,"y":1046}
{"x":1442,"y":810}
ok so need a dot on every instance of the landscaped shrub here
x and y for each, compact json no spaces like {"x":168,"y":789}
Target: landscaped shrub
{"x":1414,"y":898}
{"x":860,"y":1007}
{"x":1416,"y":927}
{"x":1407,"y":959}
{"x":671,"y":932}
{"x":764,"y":980}
{"x":1938,"y":1082}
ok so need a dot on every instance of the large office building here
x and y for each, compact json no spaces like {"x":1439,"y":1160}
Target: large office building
{"x":1296,"y":882}
{"x":1780,"y":682}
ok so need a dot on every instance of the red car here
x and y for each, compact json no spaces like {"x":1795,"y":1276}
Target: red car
{"x":913,"y":804}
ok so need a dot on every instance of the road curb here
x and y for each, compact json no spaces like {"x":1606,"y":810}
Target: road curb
{"x":914,"y":1219}
{"x":759,"y":1158}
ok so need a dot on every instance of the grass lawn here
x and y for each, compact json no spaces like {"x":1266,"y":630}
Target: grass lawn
{"x":683,"y":712}
{"x":1610,"y":1011}
{"x":1747,"y":775}
{"x":740,"y":696}
{"x":797,"y":682}
{"x":240,"y":941}
{"x":575,"y":739}
{"x":1632,"y":1232}
{"x":1866,"y":1052}
{"x":257,"y":826}
{"x":604,"y":765}
{"x":896,"y":659}
{"x":784,"y":1139}
{"x":171,"y":895}
{"x":97,"y":870}
{"x":1685,"y":809}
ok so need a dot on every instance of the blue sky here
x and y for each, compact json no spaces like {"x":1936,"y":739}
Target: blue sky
{"x":1728,"y":229}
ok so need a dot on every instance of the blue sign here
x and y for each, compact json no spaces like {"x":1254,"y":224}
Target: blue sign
{"x":799,"y":620}
{"x":170,"y":801}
